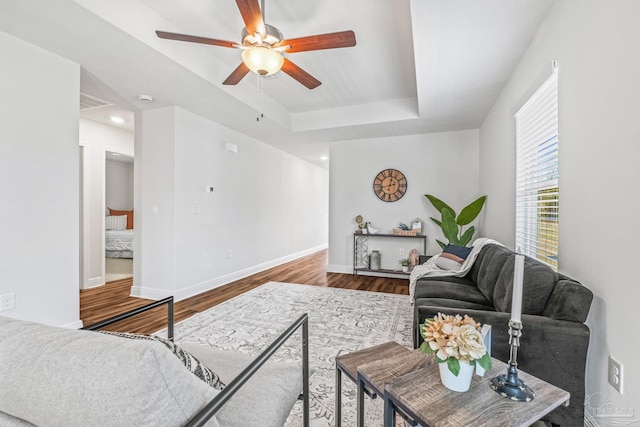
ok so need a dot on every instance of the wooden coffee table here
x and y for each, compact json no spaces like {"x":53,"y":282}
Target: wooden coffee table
{"x":349,"y":364}
{"x":421,"y":398}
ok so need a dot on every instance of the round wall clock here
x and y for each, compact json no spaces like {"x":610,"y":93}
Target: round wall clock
{"x":390,"y":185}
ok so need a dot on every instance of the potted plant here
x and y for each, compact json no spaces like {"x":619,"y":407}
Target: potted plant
{"x":405,"y":263}
{"x":452,"y":225}
{"x":458,"y":345}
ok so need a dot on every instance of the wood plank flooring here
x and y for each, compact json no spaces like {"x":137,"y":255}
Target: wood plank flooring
{"x":113,"y":298}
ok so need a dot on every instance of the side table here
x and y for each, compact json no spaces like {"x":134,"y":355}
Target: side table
{"x":421,"y":398}
{"x":349,"y":363}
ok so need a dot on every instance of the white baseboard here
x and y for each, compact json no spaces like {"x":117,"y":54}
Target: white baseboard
{"x":198,"y":288}
{"x":337,"y":268}
{"x":94,"y":282}
{"x":74,"y":325}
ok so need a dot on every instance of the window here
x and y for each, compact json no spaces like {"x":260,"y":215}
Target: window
{"x":537,"y":189}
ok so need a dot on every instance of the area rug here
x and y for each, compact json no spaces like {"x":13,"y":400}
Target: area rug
{"x":340,"y":321}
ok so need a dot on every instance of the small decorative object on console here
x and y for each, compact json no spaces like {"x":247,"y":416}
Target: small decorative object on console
{"x":458,"y":342}
{"x":374,"y":260}
{"x":414,"y":257}
{"x":362,"y":225}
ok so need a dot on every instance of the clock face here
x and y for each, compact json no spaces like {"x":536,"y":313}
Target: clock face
{"x":390,"y":185}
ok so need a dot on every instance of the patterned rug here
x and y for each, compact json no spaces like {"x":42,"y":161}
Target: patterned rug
{"x":340,"y":321}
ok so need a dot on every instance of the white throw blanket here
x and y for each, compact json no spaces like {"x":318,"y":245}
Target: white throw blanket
{"x":430,"y":268}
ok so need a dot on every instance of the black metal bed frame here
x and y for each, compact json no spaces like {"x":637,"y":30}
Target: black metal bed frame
{"x":201,"y":418}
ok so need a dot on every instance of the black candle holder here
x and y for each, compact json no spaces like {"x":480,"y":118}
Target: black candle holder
{"x":509,"y":385}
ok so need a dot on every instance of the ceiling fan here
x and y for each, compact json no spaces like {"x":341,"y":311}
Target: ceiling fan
{"x":262,"y":46}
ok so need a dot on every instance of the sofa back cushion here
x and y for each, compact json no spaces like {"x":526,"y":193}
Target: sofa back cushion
{"x":537,"y":284}
{"x":487,"y":268}
{"x":62,"y":377}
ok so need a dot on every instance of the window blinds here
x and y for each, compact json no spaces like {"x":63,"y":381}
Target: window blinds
{"x":537,"y":190}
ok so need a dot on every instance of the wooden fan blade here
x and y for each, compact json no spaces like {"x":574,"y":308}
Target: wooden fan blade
{"x":321,"y":41}
{"x":237,"y":75}
{"x":194,"y":39}
{"x":300,"y":75}
{"x":252,"y":16}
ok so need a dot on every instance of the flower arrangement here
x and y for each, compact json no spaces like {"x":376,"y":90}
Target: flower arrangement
{"x":454,"y":339}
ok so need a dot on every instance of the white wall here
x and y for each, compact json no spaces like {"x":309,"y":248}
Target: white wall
{"x":267,"y":207}
{"x":39,"y":170}
{"x":119,"y":185}
{"x":97,"y":138}
{"x":442,"y":164}
{"x":596,"y":44}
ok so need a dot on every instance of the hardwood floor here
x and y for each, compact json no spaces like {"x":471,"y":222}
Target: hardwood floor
{"x":113,"y":298}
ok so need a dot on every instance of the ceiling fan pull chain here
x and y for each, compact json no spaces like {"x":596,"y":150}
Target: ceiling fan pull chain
{"x":260,"y":84}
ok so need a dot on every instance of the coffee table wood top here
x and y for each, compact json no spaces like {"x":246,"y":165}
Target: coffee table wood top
{"x":348,"y":363}
{"x":421,"y":395}
{"x":376,"y":374}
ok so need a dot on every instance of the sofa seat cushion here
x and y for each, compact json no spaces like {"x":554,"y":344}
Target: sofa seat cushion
{"x":453,"y":288}
{"x":64,"y":377}
{"x":267,"y":397}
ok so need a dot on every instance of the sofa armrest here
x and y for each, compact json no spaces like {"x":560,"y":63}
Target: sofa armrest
{"x":569,"y":301}
{"x":552,"y":350}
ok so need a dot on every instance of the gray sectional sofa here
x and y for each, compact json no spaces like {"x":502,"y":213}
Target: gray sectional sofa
{"x":554,"y":339}
{"x":54,"y":377}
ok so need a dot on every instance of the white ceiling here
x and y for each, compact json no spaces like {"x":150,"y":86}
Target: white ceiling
{"x":418,"y":66}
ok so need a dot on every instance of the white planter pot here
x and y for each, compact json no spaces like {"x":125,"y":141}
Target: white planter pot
{"x":462,"y":382}
{"x":405,"y":268}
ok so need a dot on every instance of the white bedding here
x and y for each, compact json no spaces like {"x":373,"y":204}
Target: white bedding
{"x":118,"y":240}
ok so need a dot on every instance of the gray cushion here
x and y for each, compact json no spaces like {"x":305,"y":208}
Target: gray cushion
{"x":190,"y":362}
{"x":487,"y":267}
{"x":265,"y":400}
{"x":537,"y":285}
{"x":62,"y":377}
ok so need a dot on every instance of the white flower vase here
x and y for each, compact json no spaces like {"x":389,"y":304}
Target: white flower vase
{"x":462,"y":382}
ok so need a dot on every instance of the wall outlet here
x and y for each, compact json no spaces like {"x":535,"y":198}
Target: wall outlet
{"x":229,"y":253}
{"x":7,"y":302}
{"x":401,"y":252}
{"x":615,"y":374}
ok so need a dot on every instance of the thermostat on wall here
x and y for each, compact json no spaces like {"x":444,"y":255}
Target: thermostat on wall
{"x":209,"y":188}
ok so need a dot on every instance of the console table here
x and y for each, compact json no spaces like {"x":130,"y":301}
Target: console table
{"x":361,"y":250}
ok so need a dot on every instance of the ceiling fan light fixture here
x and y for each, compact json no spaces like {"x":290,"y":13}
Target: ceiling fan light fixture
{"x":262,"y":60}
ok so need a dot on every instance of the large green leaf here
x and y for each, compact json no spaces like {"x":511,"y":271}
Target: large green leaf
{"x":454,"y":365}
{"x":438,"y":223}
{"x":467,"y":235}
{"x":449,"y":227}
{"x":471,"y":211}
{"x":439,"y":204}
{"x":485,"y":361}
{"x":425,"y":348}
{"x":441,"y":243}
